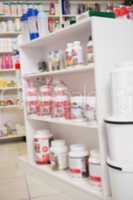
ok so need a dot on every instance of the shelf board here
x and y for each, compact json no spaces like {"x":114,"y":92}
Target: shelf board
{"x":10,"y":106}
{"x":11,"y":88}
{"x":53,"y":16}
{"x":73,"y":69}
{"x":77,"y":123}
{"x":57,"y":35}
{"x":64,"y":176}
{"x":8,"y":70}
{"x":9,"y":34}
{"x":11,"y":137}
{"x":9,"y":16}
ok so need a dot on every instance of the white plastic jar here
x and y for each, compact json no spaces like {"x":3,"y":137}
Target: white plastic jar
{"x":78,"y":53}
{"x":41,"y":144}
{"x":58,"y":155}
{"x":78,"y":160}
{"x":42,"y":21}
{"x":95,"y":167}
{"x":77,"y":107}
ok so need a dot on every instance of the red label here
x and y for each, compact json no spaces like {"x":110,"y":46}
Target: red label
{"x":95,"y":178}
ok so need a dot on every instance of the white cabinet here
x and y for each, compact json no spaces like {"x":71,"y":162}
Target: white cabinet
{"x":112,"y":40}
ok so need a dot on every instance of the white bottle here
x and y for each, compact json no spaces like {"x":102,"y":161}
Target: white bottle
{"x":78,"y":158}
{"x":32,"y":23}
{"x":78,"y":53}
{"x":58,"y":155}
{"x":95,"y":167}
{"x":25,"y":28}
{"x":42,"y":21}
{"x":69,"y":54}
{"x":41,"y":145}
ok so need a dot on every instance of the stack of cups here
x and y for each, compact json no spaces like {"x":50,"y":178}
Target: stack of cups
{"x":119,"y":128}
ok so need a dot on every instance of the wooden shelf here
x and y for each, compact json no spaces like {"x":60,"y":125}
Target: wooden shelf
{"x":78,"y":123}
{"x":67,"y":70}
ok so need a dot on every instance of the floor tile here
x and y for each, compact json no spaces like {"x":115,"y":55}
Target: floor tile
{"x":53,"y":197}
{"x":15,"y":189}
{"x":38,"y":187}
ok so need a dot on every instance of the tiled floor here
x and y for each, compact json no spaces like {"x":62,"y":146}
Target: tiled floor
{"x":15,"y":184}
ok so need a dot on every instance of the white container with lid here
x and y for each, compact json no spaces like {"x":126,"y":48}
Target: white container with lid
{"x":77,"y":107}
{"x":89,"y":51}
{"x":42,"y":21}
{"x":78,"y":160}
{"x":122,"y":90}
{"x":78,"y":53}
{"x":58,"y":155}
{"x":69,"y":54}
{"x":121,"y":180}
{"x":95,"y":167}
{"x":119,"y":139}
{"x":41,"y":143}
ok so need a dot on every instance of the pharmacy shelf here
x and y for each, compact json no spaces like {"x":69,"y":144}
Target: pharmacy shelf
{"x":7,"y":70}
{"x":53,"y":16}
{"x":11,"y":88}
{"x":64,"y":176}
{"x":57,"y":35}
{"x":11,"y":106}
{"x":69,"y":15}
{"x":9,"y":34}
{"x":11,"y":137}
{"x":9,"y":16}
{"x":79,"y":123}
{"x":68,"y":70}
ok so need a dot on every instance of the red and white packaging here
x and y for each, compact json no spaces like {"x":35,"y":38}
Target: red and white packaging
{"x":45,"y":100}
{"x":95,"y":168}
{"x":78,"y":160}
{"x":61,"y":107}
{"x":32,"y":99}
{"x":61,"y":102}
{"x":41,"y":144}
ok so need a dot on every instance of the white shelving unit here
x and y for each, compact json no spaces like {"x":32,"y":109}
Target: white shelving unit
{"x":12,"y":114}
{"x":9,"y":137}
{"x":10,"y":106}
{"x":109,"y":49}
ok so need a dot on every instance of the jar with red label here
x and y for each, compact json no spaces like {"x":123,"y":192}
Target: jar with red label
{"x":41,"y":145}
{"x":95,"y":168}
{"x":45,"y":100}
{"x":61,"y":101}
{"x":78,"y":160}
{"x":32,"y":99}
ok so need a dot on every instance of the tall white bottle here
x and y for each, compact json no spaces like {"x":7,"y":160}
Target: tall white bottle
{"x":42,"y":21}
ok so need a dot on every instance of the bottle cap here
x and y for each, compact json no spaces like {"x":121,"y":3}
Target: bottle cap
{"x":24,"y":18}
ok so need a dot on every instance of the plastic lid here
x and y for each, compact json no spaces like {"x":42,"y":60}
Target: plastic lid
{"x":32,"y":12}
{"x":44,"y":132}
{"x":42,"y":14}
{"x":90,"y":43}
{"x":120,"y":166}
{"x":78,"y":147}
{"x":24,"y":18}
{"x":56,"y":143}
{"x":76,"y":43}
{"x":95,"y":154}
{"x":69,"y":45}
